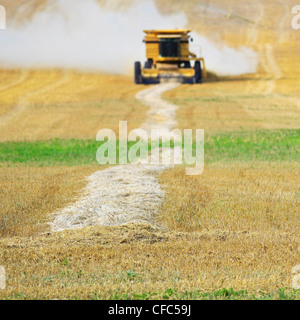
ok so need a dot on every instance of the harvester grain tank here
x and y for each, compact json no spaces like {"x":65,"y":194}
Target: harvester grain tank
{"x":169,"y":57}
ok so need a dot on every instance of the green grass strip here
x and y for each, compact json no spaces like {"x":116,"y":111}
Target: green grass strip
{"x":265,"y":145}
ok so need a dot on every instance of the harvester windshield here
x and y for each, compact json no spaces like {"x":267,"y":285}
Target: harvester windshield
{"x":169,"y":47}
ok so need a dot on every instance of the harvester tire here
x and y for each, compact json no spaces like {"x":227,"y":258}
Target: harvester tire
{"x":198,"y":72}
{"x":148,"y":64}
{"x":137,"y":73}
{"x":187,"y":65}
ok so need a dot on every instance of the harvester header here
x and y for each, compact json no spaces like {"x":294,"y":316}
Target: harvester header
{"x":169,"y":57}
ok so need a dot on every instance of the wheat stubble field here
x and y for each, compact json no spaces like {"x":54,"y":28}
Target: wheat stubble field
{"x":231,"y":233}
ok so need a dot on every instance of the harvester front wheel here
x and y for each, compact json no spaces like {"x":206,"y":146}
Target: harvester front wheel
{"x":187,"y":65}
{"x":137,"y":73}
{"x":148,"y":64}
{"x":198,"y":72}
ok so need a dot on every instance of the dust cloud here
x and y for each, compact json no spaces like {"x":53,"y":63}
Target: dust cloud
{"x":86,"y":36}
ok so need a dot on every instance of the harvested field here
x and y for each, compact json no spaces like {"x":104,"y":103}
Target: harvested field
{"x":230,"y":233}
{"x":40,"y":105}
{"x":29,"y":194}
{"x":234,"y":105}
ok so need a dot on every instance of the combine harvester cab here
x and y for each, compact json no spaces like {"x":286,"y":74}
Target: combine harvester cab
{"x":169,"y":58}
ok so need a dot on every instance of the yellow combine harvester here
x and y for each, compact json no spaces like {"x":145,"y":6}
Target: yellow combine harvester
{"x":169,"y":57}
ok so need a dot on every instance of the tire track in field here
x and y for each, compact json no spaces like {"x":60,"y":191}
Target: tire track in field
{"x":252,"y":33}
{"x":23,"y":77}
{"x":284,"y":22}
{"x":268,"y":60}
{"x":274,"y":69}
{"x":252,"y":39}
{"x":23,"y":102}
{"x":285,"y":18}
{"x":123,"y":193}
